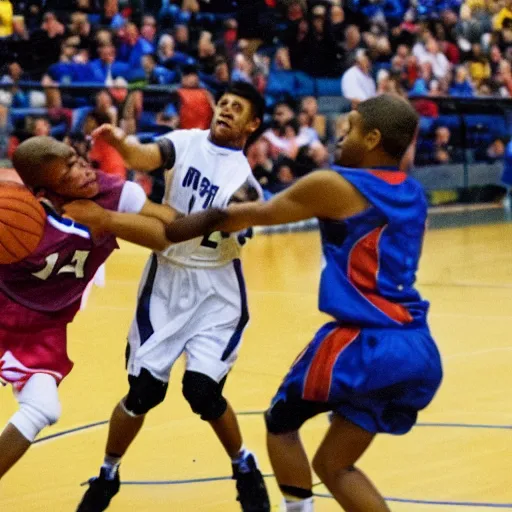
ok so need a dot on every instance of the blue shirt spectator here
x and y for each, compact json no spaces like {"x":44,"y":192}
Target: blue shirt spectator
{"x":461,"y":85}
{"x":106,"y":68}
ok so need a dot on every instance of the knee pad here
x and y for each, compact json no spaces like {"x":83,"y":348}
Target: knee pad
{"x":204,"y":395}
{"x":145,"y":393}
{"x":281,"y":419}
{"x":39,"y":406}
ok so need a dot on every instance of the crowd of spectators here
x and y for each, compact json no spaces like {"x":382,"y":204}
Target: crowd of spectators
{"x":161,"y":68}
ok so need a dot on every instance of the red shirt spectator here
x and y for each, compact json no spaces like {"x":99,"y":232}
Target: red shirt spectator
{"x":196,"y":104}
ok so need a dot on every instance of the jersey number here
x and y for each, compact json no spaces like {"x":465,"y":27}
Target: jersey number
{"x":206,"y":242}
{"x":76,"y":267}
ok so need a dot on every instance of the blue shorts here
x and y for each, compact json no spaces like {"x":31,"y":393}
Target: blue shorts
{"x":376,"y":378}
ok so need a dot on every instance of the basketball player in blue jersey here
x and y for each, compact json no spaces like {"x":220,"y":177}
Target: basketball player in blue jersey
{"x":375,"y":365}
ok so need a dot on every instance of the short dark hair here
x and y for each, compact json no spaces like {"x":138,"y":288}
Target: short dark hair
{"x":250,"y":93}
{"x":396,"y":120}
{"x":31,"y":159}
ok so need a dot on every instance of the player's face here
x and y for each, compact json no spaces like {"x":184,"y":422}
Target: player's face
{"x":355,"y":144}
{"x":72,"y":177}
{"x":233,"y":121}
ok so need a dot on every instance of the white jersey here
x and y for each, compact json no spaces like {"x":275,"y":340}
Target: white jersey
{"x":204,"y":175}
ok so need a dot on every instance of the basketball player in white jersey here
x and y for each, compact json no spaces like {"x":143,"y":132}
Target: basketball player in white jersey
{"x":192,"y":296}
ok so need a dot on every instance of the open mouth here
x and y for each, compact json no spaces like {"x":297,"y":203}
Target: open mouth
{"x":89,"y":183}
{"x":220,"y":122}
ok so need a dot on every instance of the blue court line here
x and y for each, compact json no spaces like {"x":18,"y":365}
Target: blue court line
{"x":464,"y":425}
{"x":258,"y":413}
{"x":252,"y":413}
{"x":443,"y":503}
{"x":71,"y":431}
{"x":396,"y":500}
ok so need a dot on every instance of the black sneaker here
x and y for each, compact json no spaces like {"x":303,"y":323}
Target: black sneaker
{"x":252,"y":493}
{"x":101,"y":491}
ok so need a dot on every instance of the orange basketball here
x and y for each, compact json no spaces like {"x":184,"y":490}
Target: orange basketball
{"x":22,"y":222}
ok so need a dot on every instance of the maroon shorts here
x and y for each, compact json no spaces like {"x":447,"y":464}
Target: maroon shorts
{"x":33,"y":342}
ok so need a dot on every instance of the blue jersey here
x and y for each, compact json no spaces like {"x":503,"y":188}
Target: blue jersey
{"x":371,"y":259}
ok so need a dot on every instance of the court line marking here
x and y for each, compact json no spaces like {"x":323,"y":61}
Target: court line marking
{"x":435,"y":502}
{"x":319,"y":495}
{"x":254,"y":413}
{"x":89,"y":426}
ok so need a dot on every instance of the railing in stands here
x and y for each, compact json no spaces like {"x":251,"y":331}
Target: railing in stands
{"x":475,"y":124}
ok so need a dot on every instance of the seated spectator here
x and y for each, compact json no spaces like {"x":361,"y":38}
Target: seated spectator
{"x":6,"y":14}
{"x":195,"y":103}
{"x":461,"y":85}
{"x":282,"y":175}
{"x":495,"y":58}
{"x":154,"y":74}
{"x":479,"y":66}
{"x":13,"y":97}
{"x":34,"y":127}
{"x":357,"y":83}
{"x":148,"y":30}
{"x":283,"y":139}
{"x":433,"y":55}
{"x":312,"y":125}
{"x":19,"y":30}
{"x":468,"y":29}
{"x":167,"y":56}
{"x":182,"y":38}
{"x":242,"y":69}
{"x":353,"y":43}
{"x":222,"y":73}
{"x":259,"y":159}
{"x":81,"y":27}
{"x":134,"y":46}
{"x":504,"y":79}
{"x":206,"y":53}
{"x":504,"y":14}
{"x":165,"y":49}
{"x":106,"y":67}
{"x":104,"y":105}
{"x":282,"y":59}
{"x":45,"y":44}
{"x":441,"y":151}
{"x":496,"y":150}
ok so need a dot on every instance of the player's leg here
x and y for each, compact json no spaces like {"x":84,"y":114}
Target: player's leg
{"x":205,"y":396}
{"x":150,"y":356}
{"x":286,"y":451}
{"x":211,"y":353}
{"x":39,"y":407}
{"x":297,"y":400}
{"x":145,"y":393}
{"x":334,"y":463}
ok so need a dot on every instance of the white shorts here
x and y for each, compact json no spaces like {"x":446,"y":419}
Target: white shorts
{"x":202,"y":312}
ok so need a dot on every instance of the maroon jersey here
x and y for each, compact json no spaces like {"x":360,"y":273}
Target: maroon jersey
{"x":54,"y":277}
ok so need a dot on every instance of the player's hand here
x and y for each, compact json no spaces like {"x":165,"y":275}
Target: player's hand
{"x":89,"y":214}
{"x":111,"y":134}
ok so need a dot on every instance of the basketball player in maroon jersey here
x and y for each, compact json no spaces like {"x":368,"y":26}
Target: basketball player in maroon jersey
{"x":40,"y":295}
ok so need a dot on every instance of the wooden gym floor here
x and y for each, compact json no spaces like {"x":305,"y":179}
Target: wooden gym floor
{"x":458,"y":458}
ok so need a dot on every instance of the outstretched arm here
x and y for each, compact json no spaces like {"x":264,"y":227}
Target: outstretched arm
{"x":147,"y":228}
{"x":137,"y":156}
{"x":322,"y":194}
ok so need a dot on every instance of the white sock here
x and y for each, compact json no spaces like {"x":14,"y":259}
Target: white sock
{"x":242,"y":454}
{"x":111,"y":466}
{"x":240,"y":460}
{"x":298,"y":506}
